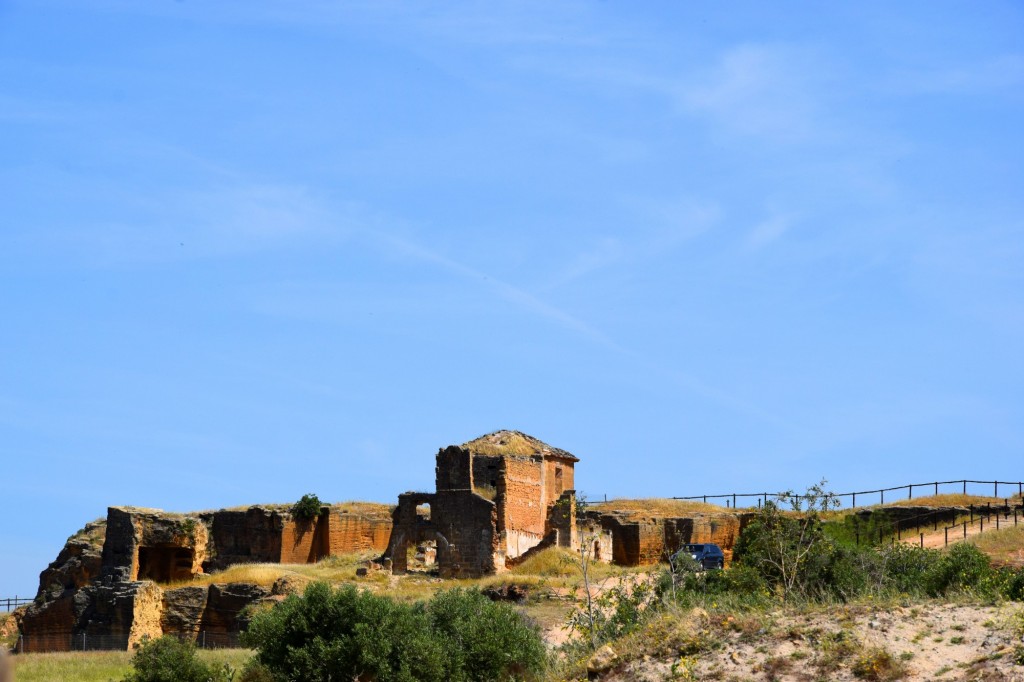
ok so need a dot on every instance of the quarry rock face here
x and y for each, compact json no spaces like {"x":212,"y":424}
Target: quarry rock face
{"x":106,"y":587}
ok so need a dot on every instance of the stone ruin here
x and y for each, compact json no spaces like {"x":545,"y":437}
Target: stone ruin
{"x":498,"y":500}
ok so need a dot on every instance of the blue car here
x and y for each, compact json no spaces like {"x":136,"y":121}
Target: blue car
{"x":708,"y":555}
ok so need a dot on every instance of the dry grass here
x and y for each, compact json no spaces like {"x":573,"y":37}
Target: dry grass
{"x":551,"y":562}
{"x":101,"y":666}
{"x":655,"y":506}
{"x":1004,"y":546}
{"x":950,"y":500}
{"x":503,"y":443}
{"x":365,"y":508}
{"x":335,"y":569}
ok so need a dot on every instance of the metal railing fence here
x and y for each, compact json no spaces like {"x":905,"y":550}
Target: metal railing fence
{"x":757,"y":499}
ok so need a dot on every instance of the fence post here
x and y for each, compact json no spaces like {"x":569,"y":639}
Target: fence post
{"x":883,"y":496}
{"x":854,"y":505}
{"x":971,"y":507}
{"x":734,"y":500}
{"x":911,"y":491}
{"x":946,"y":542}
{"x":981,"y":521}
{"x":995,"y":493}
{"x":965,"y":529}
{"x":922,"y":540}
{"x":21,"y":643}
{"x":965,"y":487}
{"x":936,"y":487}
{"x":705,"y":499}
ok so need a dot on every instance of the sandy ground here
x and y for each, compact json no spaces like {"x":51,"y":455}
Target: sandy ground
{"x":930,"y":642}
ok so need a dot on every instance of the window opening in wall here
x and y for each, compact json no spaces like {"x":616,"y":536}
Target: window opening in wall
{"x":423,"y":511}
{"x":558,"y":481}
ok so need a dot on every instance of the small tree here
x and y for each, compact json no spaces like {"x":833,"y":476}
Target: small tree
{"x":789,"y":551}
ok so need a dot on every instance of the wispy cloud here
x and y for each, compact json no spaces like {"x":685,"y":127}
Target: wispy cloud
{"x":655,"y":228}
{"x":760,"y":90}
{"x":769,"y":231}
{"x":513,"y":294}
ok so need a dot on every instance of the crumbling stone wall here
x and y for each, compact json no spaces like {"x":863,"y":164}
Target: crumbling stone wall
{"x":467,"y":535}
{"x":245,"y":536}
{"x":411,"y":528}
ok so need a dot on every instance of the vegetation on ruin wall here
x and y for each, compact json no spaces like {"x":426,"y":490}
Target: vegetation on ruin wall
{"x":308,"y":507}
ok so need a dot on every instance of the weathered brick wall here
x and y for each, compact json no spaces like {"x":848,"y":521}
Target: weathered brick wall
{"x":521,"y":495}
{"x":558,"y":477}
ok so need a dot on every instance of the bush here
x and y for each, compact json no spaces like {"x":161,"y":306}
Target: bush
{"x":346,"y":634}
{"x":964,"y":567}
{"x":308,"y":507}
{"x":168,"y":659}
{"x":1014,"y":585}
{"x":483,"y":640}
{"x":878,"y":665}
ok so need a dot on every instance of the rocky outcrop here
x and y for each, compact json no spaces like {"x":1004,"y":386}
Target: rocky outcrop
{"x":227,"y":606}
{"x":183,"y":609}
{"x":78,"y":563}
{"x":107,"y":584}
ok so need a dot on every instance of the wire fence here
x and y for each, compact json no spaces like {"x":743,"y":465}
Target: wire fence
{"x":81,"y":641}
{"x":868,"y":497}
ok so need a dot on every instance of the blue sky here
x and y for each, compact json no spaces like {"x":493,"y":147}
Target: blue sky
{"x":250,"y":250}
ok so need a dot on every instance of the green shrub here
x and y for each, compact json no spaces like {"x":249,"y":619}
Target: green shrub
{"x":168,"y":659}
{"x":483,"y":640}
{"x":1013,"y":587}
{"x":964,"y":567}
{"x":347,"y":634}
{"x":308,"y":507}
